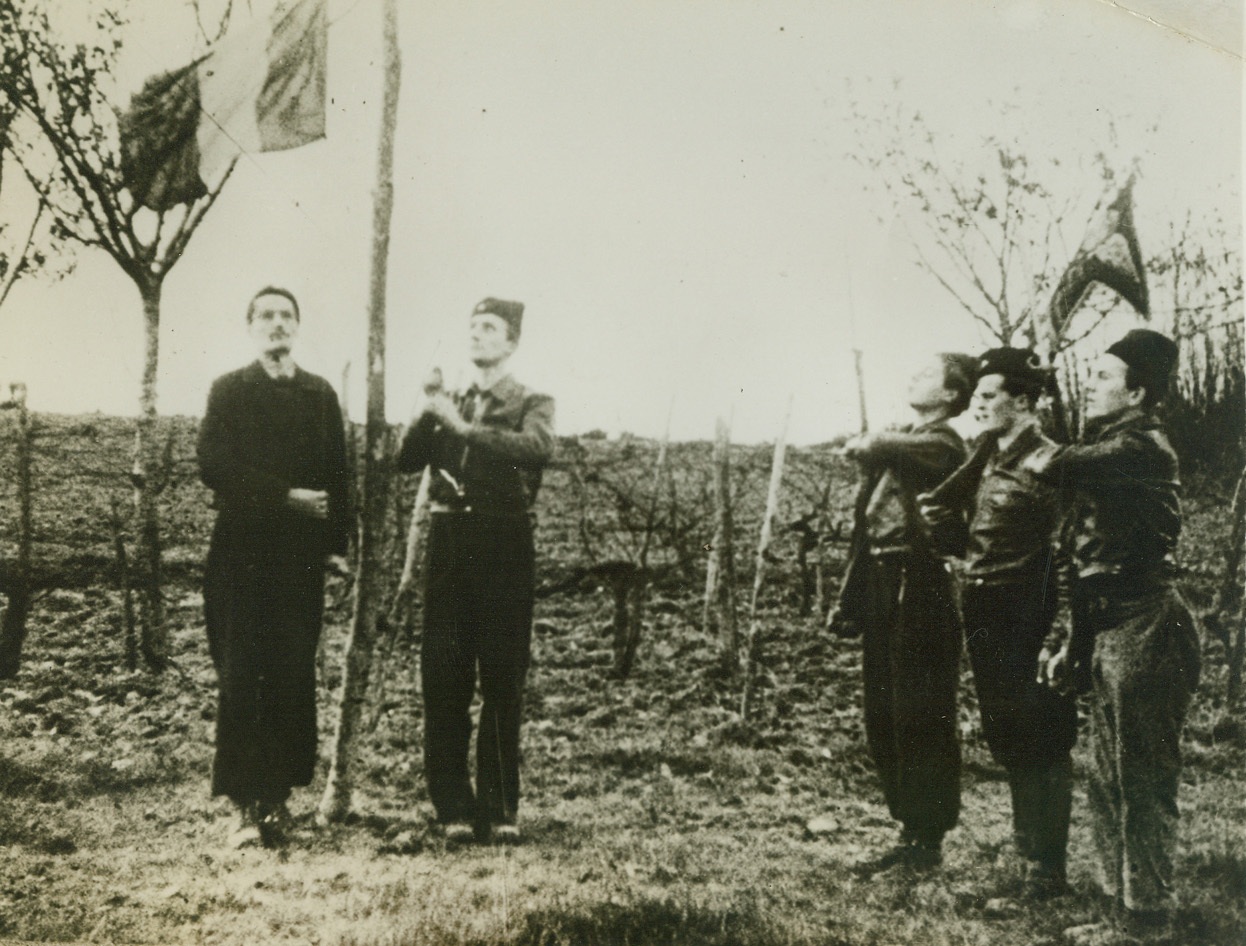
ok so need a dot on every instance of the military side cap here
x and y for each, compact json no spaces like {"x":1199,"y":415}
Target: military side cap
{"x":1021,"y":365}
{"x":1150,"y":354}
{"x":509,"y":312}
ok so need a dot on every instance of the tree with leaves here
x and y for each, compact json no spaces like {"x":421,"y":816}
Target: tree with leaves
{"x":62,"y":98}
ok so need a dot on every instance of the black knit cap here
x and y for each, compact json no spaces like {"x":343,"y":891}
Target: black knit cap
{"x":1152,"y":356}
{"x":510,"y":312}
{"x":1019,"y":365}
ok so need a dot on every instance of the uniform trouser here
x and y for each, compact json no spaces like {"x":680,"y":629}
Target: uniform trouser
{"x":263,"y":617}
{"x":912,"y":646}
{"x":1029,"y":727}
{"x":477,"y":618}
{"x":1144,"y":670}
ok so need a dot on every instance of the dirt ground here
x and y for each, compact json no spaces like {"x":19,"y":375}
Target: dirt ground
{"x":651,"y":813}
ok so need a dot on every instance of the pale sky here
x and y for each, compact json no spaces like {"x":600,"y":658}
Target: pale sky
{"x":664,"y":183}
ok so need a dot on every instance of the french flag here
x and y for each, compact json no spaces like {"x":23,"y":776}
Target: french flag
{"x":260,"y":88}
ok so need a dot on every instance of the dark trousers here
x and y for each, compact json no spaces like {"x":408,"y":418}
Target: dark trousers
{"x":263,"y":617}
{"x":1144,"y":672}
{"x":912,"y":646}
{"x":477,"y":620}
{"x":1029,"y":727}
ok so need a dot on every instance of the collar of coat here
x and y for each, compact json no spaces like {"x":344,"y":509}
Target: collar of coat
{"x":254,"y":373}
{"x":1133,"y":418}
{"x":1026,"y":441}
{"x":506,"y":388}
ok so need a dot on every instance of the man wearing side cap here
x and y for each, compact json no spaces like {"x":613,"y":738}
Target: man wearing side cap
{"x":1008,"y":602}
{"x":486,"y":449}
{"x":900,"y":594}
{"x":1134,"y":646}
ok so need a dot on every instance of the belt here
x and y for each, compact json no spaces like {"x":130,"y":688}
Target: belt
{"x":443,"y":508}
{"x":448,"y":509}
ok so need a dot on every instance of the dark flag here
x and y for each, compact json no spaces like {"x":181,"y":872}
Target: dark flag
{"x":1109,"y":254}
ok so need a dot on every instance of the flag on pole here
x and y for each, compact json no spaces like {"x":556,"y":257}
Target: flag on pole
{"x":261,"y":88}
{"x":1109,"y":254}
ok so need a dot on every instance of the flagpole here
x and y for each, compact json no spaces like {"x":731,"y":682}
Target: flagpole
{"x":377,"y":463}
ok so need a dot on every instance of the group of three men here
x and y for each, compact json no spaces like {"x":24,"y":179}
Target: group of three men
{"x":273,"y":451}
{"x":1031,"y":520}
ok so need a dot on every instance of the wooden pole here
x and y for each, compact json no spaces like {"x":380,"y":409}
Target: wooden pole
{"x":752,"y":644}
{"x":720,"y":576}
{"x":377,"y":464}
{"x":857,"y":354}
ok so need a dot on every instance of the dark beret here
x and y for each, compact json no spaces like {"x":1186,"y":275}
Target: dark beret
{"x":1020,"y":365}
{"x":510,"y":312}
{"x":1152,"y":355}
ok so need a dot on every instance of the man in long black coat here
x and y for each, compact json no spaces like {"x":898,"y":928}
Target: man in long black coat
{"x":272,"y":448}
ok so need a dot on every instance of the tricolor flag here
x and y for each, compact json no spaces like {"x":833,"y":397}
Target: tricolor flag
{"x":1109,"y":254}
{"x":261,"y":88}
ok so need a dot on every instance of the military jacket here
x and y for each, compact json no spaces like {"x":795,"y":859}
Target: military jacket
{"x":1126,"y":514}
{"x":496,"y":468}
{"x":1013,"y":513}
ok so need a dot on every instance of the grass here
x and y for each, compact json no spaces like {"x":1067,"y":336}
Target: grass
{"x":652,"y":814}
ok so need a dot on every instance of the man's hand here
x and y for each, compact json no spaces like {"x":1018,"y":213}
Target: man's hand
{"x":337,"y":565}
{"x":855,"y":446}
{"x":1038,"y":460}
{"x":1053,"y":668}
{"x":432,"y":385}
{"x":441,"y":406}
{"x":309,"y":502}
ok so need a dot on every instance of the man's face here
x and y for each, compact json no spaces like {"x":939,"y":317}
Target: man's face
{"x":926,"y":390}
{"x":1106,"y":392}
{"x":490,"y":343}
{"x":273,"y":326}
{"x":995,"y":411}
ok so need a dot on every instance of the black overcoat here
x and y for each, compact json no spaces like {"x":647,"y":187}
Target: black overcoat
{"x":264,"y":581}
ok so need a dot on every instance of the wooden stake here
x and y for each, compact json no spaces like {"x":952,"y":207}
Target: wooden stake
{"x":752,"y":644}
{"x":720,"y":574}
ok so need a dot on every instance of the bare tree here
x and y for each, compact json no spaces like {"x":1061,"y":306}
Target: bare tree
{"x":986,"y":228}
{"x":64,"y":136}
{"x":20,"y":252}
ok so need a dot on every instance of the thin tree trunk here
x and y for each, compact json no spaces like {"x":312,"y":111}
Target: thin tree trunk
{"x":129,"y":637}
{"x":377,"y":464}
{"x":752,"y":644}
{"x":17,"y":611}
{"x":147,"y":478}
